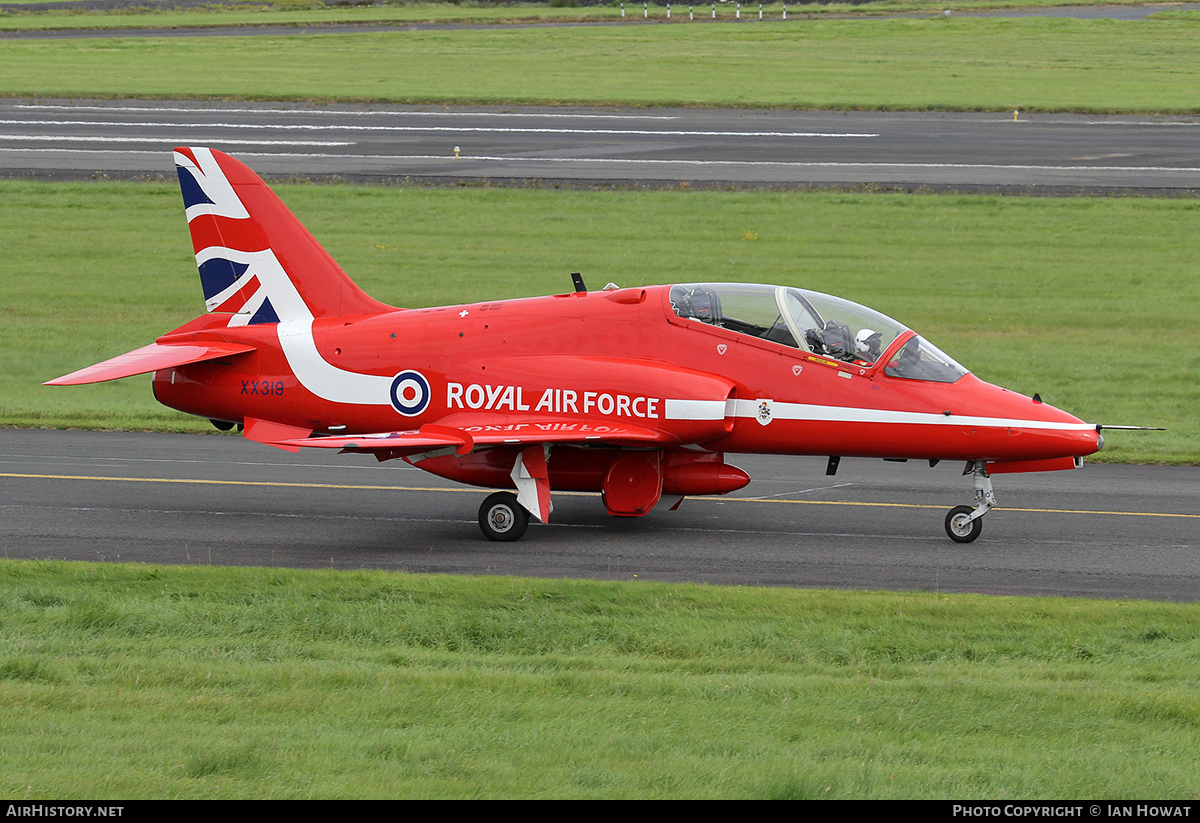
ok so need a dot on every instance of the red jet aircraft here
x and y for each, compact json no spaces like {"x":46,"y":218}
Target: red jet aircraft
{"x":636,"y":393}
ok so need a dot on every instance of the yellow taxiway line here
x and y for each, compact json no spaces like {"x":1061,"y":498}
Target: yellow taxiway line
{"x":338,"y":486}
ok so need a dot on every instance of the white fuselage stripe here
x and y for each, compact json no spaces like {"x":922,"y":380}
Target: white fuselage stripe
{"x":849,"y":414}
{"x":679,"y":409}
{"x":323,"y":378}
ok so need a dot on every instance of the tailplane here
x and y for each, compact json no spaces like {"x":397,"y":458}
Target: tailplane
{"x":257,"y":262}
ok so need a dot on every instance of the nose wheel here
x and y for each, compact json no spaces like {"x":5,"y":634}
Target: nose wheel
{"x":502,"y":518}
{"x":963,"y":523}
{"x":960,"y":526}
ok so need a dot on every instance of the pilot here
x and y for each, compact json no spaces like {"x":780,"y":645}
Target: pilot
{"x":698,"y":304}
{"x":866,"y":345}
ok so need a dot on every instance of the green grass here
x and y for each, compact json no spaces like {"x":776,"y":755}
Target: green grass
{"x":1090,"y":302}
{"x":44,"y":16}
{"x":957,"y":63}
{"x":122,"y":681}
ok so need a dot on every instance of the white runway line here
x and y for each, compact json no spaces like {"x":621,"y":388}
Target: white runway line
{"x":467,"y":160}
{"x":47,"y":138}
{"x":440,"y":129}
{"x":325,"y":113}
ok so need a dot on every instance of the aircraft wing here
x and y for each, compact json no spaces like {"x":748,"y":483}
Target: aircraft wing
{"x":150,"y":358}
{"x":466,"y":432}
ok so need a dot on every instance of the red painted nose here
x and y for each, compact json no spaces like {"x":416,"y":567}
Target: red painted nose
{"x":1029,"y":430}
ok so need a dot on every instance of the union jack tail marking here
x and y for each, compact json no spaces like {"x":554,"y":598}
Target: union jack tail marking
{"x":256,"y":261}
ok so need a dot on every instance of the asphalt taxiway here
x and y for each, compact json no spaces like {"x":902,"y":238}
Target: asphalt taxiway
{"x":1102,"y":531}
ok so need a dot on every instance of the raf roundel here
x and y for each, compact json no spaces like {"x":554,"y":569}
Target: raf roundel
{"x":410,"y":393}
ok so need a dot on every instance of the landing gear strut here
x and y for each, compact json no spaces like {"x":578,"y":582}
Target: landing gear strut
{"x":963,"y":523}
{"x":502,"y":518}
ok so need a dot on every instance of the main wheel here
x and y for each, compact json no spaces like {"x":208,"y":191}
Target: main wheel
{"x":960,"y":526}
{"x":501,"y":518}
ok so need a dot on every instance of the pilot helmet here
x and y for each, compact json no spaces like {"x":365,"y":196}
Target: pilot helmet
{"x":867,"y":341}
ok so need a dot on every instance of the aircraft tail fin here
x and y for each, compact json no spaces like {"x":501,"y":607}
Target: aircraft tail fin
{"x":256,"y":260}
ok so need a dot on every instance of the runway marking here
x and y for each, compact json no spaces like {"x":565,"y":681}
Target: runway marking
{"x":350,"y":487}
{"x":797,"y":164}
{"x":443,"y":129}
{"x":200,"y":482}
{"x":1031,"y":120}
{"x":931,"y":506}
{"x":465,"y":161}
{"x":182,"y":110}
{"x":35,"y":138}
{"x":801,"y":491}
{"x":119,"y":462}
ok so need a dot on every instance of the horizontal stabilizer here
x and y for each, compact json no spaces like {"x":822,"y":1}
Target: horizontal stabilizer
{"x":274,"y":434}
{"x":150,"y":358}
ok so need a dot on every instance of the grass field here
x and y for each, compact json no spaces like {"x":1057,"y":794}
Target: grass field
{"x":126,"y":682}
{"x":957,"y":63}
{"x":1090,"y":302}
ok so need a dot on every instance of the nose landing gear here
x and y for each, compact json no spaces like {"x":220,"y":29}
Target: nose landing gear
{"x":963,"y":523}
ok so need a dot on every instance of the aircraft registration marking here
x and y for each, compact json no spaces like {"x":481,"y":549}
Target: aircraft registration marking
{"x":263,"y":387}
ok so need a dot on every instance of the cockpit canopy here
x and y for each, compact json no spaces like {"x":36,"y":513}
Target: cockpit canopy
{"x":819,"y":323}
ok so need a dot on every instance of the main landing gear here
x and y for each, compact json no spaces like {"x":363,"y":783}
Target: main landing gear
{"x":502,"y":518}
{"x":963,"y":523}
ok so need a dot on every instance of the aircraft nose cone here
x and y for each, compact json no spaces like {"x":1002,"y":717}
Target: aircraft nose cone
{"x":1034,"y":429}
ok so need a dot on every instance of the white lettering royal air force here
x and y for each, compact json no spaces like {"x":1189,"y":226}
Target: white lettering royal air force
{"x":554,"y":401}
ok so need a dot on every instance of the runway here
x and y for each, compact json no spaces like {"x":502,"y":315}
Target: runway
{"x":993,"y":152}
{"x":1100,"y":531}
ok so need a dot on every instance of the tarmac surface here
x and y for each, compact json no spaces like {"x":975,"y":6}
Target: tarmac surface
{"x":1101,"y":531}
{"x":987,"y":152}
